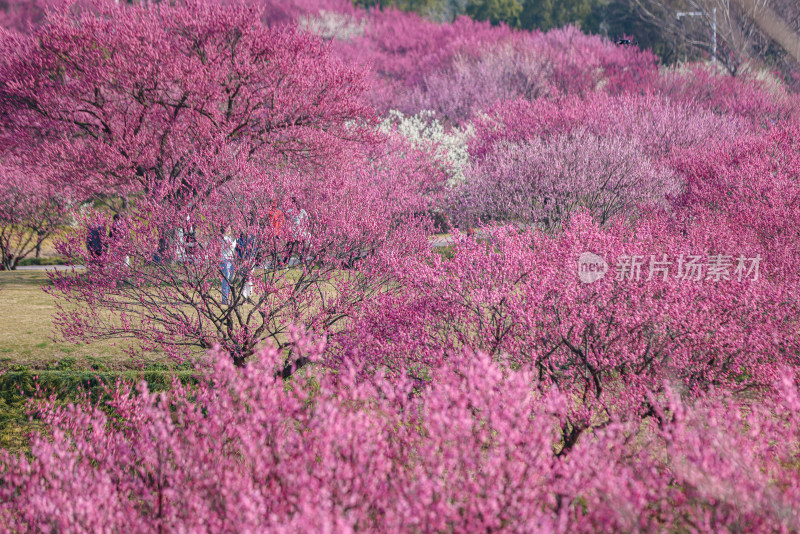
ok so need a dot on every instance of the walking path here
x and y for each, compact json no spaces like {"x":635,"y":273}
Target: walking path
{"x":50,"y":268}
{"x":440,"y":241}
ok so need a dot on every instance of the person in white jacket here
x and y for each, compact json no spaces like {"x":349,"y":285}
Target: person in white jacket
{"x":300,"y":234}
{"x":228,"y":249}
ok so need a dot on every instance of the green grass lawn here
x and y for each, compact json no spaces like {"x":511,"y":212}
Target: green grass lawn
{"x":29,"y":341}
{"x":31,"y":355}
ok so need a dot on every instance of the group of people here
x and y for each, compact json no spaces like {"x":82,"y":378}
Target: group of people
{"x":246,"y":249}
{"x":97,"y":243}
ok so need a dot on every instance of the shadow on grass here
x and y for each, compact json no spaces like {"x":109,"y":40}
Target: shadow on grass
{"x":17,"y":388}
{"x":24,"y":278}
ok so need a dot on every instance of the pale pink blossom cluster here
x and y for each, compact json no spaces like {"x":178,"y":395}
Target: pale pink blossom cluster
{"x":477,"y":447}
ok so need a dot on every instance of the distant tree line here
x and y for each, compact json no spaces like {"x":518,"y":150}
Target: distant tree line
{"x":651,"y":24}
{"x":613,"y":18}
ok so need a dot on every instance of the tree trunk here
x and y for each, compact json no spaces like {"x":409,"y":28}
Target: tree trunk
{"x":773,"y":26}
{"x":9,"y":263}
{"x":39,"y":241}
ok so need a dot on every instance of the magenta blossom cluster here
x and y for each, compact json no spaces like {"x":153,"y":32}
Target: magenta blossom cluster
{"x":542,"y":181}
{"x":238,"y":178}
{"x":121,"y":101}
{"x":477,"y":448}
{"x":535,"y":162}
{"x":461,"y":68}
{"x":518,"y":297}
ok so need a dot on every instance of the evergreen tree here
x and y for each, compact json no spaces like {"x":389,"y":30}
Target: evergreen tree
{"x":495,"y":11}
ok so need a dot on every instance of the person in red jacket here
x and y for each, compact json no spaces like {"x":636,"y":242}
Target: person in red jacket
{"x":276,"y":221}
{"x":276,"y":218}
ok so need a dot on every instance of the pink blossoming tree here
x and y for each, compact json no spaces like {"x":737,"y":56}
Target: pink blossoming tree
{"x":541,"y":182}
{"x":31,"y":211}
{"x":118,"y":101}
{"x":199,"y":118}
{"x":252,"y":257}
{"x":519,"y":298}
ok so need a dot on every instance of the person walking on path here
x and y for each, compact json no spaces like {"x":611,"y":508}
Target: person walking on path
{"x":300,"y":233}
{"x":115,"y":234}
{"x":94,"y":242}
{"x":246,"y":254}
{"x":276,"y":220}
{"x":191,"y":242}
{"x":228,"y":248}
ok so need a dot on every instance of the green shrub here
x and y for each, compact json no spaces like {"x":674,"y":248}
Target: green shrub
{"x":66,"y":363}
{"x":96,"y":363}
{"x":27,"y":262}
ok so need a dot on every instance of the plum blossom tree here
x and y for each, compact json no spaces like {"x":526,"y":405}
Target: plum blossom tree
{"x":200,"y":118}
{"x":256,"y":255}
{"x":750,"y":187}
{"x":474,"y":82}
{"x":748,"y":96}
{"x":402,"y":48}
{"x":31,"y":210}
{"x":662,"y":127}
{"x":458,"y":69}
{"x":425,"y":131}
{"x":541,"y":182}
{"x":115,"y":100}
{"x":518,"y":297}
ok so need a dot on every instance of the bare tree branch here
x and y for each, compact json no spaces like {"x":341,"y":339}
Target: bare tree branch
{"x":772,"y":25}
